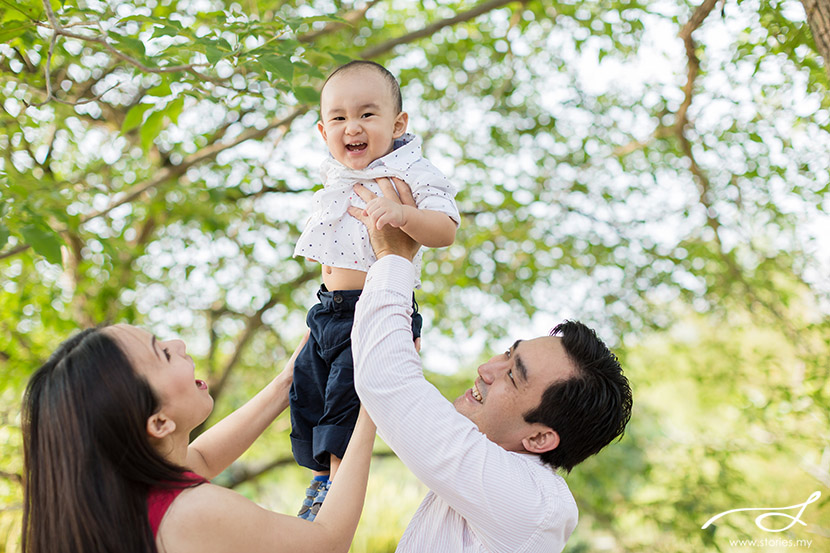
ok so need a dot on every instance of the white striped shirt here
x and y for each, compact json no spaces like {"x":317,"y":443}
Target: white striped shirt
{"x":482,"y":497}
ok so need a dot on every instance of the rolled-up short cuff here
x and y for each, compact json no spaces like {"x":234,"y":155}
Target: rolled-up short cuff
{"x":302,"y":454}
{"x":331,"y":440}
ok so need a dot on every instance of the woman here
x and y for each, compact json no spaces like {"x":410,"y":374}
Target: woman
{"x":106,"y":426}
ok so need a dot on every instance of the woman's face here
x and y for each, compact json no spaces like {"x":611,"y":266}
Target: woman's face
{"x":169,"y":370}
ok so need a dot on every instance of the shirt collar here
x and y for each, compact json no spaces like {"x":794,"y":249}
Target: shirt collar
{"x":406,"y":150}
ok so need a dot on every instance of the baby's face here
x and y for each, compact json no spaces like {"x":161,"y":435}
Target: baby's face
{"x":358,"y":119}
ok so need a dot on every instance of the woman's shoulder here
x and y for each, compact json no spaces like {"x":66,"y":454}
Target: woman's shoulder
{"x":208,"y":500}
{"x":206,"y":518}
{"x":160,"y":497}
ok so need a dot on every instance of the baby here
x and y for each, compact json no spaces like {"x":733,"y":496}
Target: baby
{"x":364,"y":127}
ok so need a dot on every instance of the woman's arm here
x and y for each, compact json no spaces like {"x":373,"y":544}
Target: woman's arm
{"x":212,"y":519}
{"x":220,"y":445}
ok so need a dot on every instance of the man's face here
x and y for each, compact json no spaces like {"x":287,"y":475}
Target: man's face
{"x":357,"y":117}
{"x":511,"y":384}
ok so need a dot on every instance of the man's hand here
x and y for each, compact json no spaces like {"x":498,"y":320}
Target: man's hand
{"x":387,"y":240}
{"x":384,"y":211}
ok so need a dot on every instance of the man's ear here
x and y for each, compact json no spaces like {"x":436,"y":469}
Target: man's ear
{"x":541,"y":440}
{"x":159,"y":426}
{"x":322,"y":129}
{"x":401,"y":122}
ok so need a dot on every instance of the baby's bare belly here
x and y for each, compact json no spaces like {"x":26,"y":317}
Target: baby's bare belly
{"x":336,"y":278}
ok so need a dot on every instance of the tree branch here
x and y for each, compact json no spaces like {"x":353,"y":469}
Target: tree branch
{"x":433,"y":28}
{"x":61,"y":30}
{"x":30,"y":67}
{"x":14,"y":251}
{"x":50,"y":97}
{"x":251,"y":325}
{"x":71,"y":270}
{"x":704,"y":185}
{"x":700,"y":14}
{"x":13,"y":476}
{"x":207,"y":153}
{"x":351,"y":17}
{"x":241,"y":473}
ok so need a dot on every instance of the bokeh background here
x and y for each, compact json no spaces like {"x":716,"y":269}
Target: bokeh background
{"x":658,"y":169}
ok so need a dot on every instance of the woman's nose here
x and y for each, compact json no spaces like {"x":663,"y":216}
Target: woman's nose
{"x":179,"y":346}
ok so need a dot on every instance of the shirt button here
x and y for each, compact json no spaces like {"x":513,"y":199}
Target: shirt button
{"x":338,"y":298}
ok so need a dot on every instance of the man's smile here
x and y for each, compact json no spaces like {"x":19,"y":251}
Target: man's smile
{"x":476,"y":393}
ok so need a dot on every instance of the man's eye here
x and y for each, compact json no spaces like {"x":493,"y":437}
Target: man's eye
{"x":166,"y":353}
{"x":510,"y":374}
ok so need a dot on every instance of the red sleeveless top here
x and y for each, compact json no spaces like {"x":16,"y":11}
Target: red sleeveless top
{"x":160,"y":499}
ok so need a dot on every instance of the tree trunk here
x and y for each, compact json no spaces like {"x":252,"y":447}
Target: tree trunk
{"x":818,"y":16}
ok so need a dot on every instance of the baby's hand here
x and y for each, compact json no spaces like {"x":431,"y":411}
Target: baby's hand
{"x":383,"y":211}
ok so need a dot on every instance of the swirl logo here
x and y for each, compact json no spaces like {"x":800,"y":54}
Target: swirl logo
{"x":771,"y":512}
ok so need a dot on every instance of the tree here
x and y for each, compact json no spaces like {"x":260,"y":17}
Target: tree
{"x":818,"y":16}
{"x":614,"y":158}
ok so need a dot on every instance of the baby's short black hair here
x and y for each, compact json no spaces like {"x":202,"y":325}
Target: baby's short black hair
{"x":397,"y":101}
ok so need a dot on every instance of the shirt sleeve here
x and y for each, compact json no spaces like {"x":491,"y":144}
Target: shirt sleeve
{"x":493,"y":489}
{"x":431,"y":189}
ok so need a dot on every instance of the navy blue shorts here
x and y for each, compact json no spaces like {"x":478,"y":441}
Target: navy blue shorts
{"x":324,"y":405}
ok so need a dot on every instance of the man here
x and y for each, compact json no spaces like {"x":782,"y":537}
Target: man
{"x":490,"y":458}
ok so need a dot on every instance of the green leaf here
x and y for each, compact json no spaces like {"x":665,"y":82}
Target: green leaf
{"x":151,"y":128}
{"x":174,"y":109}
{"x":340,"y":59}
{"x":294,"y":23}
{"x":22,"y":10}
{"x":14,"y":30}
{"x":4,"y":235}
{"x":309,"y":70}
{"x":143,"y":19}
{"x":161,"y":90}
{"x":288,"y":46}
{"x":280,"y":66}
{"x":44,"y":241}
{"x":169,"y":28}
{"x":306,"y":95}
{"x":213,"y":54}
{"x":132,"y":45}
{"x":215,"y":16}
{"x":134,"y":117}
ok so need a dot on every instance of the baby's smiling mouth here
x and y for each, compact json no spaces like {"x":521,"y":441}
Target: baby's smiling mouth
{"x":356,"y":147}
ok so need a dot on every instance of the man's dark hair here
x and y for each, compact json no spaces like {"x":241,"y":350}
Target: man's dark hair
{"x":590,"y":408}
{"x":397,"y":101}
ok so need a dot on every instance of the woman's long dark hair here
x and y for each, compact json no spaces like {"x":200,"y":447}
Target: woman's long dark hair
{"x":88,"y":461}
